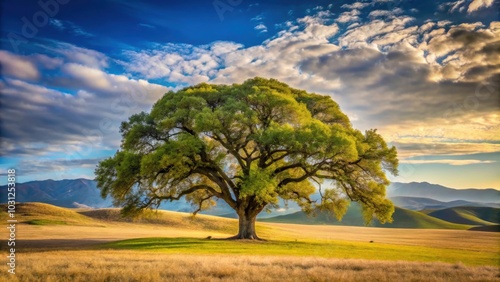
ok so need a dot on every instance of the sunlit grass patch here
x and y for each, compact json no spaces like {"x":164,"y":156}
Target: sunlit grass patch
{"x":310,"y":248}
{"x":45,"y":222}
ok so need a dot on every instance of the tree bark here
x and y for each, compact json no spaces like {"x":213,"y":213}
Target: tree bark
{"x":246,"y":227}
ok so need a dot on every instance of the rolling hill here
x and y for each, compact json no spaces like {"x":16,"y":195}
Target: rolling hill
{"x":46,"y":214}
{"x":419,"y":204}
{"x":408,"y":196}
{"x":403,"y":218}
{"x":469,"y":215}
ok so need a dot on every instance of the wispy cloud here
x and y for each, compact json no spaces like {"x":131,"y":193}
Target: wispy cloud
{"x":56,"y":165}
{"x":147,"y":25}
{"x":355,"y":5}
{"x":258,"y":18}
{"x":261,"y":28}
{"x":349,"y":17}
{"x":73,"y":28}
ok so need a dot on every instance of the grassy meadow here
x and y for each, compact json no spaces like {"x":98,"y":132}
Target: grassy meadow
{"x":58,"y":244}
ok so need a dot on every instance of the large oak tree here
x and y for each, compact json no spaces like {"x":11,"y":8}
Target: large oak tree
{"x":248,"y":144}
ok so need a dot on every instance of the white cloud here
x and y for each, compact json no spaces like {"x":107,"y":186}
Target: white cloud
{"x":385,"y":13}
{"x":257,"y":18}
{"x":376,"y":69}
{"x":80,"y":55}
{"x":467,"y":52}
{"x":261,"y":27}
{"x":355,"y":5}
{"x":464,"y":6}
{"x":18,"y":66}
{"x":426,"y":27}
{"x":363,"y":34}
{"x":181,"y":63}
{"x":57,"y":24}
{"x":41,"y":120}
{"x":90,"y":77}
{"x":478,"y":4}
{"x":75,"y":29}
{"x":349,"y":17}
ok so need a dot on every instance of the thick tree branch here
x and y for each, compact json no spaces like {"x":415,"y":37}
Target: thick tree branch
{"x":306,"y":175}
{"x":200,"y":203}
{"x":287,"y":167}
{"x":189,"y":191}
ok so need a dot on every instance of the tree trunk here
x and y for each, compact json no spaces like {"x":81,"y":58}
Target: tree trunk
{"x":246,"y":227}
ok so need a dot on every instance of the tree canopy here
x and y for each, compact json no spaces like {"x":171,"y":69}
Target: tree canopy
{"x":248,"y":144}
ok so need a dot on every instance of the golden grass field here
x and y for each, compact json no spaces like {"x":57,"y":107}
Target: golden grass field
{"x":77,"y":245}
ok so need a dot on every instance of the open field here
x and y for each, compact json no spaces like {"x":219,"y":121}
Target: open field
{"x":82,"y":245}
{"x":150,"y":266}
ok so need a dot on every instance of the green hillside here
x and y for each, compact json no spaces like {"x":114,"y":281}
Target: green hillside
{"x":403,"y":218}
{"x":46,"y":214}
{"x":469,"y":215}
{"x":167,"y":218}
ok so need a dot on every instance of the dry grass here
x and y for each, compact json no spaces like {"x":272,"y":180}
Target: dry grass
{"x":48,"y":214}
{"x":141,"y":266}
{"x":67,"y":252}
{"x":167,"y":218}
{"x":434,"y":238}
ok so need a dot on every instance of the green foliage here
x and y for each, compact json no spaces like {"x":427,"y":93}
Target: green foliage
{"x":260,"y":184}
{"x":248,"y":144}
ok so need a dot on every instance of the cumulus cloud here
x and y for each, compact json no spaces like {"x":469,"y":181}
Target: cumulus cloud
{"x":182,"y":63}
{"x":80,"y":55}
{"x":363,"y":34}
{"x":385,"y":13}
{"x":390,"y":72}
{"x":478,"y":4}
{"x":375,"y":69}
{"x":349,"y":17}
{"x":41,"y":165}
{"x":469,"y":6}
{"x":18,"y":66}
{"x":43,"y":119}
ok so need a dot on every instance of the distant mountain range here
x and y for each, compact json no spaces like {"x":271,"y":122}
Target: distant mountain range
{"x":441,"y":193}
{"x":64,"y":193}
{"x":420,"y":205}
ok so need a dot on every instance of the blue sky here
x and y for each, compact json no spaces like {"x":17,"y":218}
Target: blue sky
{"x":424,"y":73}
